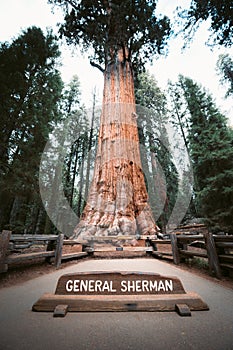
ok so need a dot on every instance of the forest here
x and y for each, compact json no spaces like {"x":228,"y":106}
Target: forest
{"x":48,"y":141}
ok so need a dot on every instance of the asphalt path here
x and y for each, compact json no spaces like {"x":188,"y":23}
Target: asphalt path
{"x":22,"y":329}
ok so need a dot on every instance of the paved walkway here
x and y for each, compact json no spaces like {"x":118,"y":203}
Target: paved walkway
{"x":22,"y":329}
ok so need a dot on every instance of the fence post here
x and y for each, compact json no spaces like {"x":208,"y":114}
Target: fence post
{"x":58,"y":250}
{"x":175,"y":251}
{"x":212,"y":255}
{"x":4,"y":243}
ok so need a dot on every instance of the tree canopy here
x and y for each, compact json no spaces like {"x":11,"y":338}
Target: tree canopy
{"x":220,"y":14}
{"x":225,"y":72}
{"x":106,"y":26}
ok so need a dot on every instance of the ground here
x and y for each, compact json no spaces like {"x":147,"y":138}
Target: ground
{"x":19,"y":274}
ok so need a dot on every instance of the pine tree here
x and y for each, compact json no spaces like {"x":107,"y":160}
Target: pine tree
{"x":71,"y":105}
{"x":210,"y":144}
{"x":179,"y":117}
{"x":30,"y":88}
{"x":162,"y":178}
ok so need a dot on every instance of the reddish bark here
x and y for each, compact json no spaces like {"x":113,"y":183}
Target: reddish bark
{"x":118,"y":201}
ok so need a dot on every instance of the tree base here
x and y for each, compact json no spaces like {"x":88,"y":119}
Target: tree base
{"x":85,"y":233}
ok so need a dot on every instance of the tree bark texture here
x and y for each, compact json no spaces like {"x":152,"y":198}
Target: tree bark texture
{"x":117,"y":203}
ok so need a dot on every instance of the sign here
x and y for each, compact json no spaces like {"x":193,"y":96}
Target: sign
{"x":116,"y":283}
{"x":119,"y":291}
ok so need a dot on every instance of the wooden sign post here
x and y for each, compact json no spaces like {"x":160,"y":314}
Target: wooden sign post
{"x":119,"y":291}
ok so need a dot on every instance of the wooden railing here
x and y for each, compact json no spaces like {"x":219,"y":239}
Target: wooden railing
{"x":161,"y":252}
{"x":216,"y":249}
{"x":224,"y":248}
{"x":51,"y":247}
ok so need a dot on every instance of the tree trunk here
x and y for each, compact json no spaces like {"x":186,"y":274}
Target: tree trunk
{"x":90,"y":142}
{"x":117,"y":203}
{"x":160,"y":187}
{"x":81,"y":181}
{"x":74,"y":174}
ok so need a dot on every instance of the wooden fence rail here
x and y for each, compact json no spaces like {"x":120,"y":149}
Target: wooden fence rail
{"x":217,"y":249}
{"x":224,"y":248}
{"x":53,"y":249}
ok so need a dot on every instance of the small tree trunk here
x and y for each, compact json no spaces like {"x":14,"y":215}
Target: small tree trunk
{"x":74,"y":175}
{"x":160,"y":188}
{"x":34,"y":218}
{"x":67,"y":189}
{"x":90,"y":141}
{"x":81,"y":182}
{"x":117,"y":203}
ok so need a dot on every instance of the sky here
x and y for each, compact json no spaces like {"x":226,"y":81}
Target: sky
{"x":197,"y":62}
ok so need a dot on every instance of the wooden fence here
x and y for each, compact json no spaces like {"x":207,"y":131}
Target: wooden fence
{"x":224,"y":248}
{"x":14,"y":249}
{"x":216,"y":249}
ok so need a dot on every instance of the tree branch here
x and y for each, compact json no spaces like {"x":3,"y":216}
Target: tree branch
{"x":96,"y":65}
{"x":71,"y":3}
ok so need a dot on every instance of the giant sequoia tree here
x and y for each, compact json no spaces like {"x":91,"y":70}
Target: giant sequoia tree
{"x":121,"y":34}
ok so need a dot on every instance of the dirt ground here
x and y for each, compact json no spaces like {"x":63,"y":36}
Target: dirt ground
{"x":19,"y":274}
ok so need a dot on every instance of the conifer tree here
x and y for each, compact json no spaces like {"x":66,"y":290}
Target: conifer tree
{"x":121,"y":35}
{"x":152,"y":122}
{"x":30,"y":88}
{"x":211,"y":151}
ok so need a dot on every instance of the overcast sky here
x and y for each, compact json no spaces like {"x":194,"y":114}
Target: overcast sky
{"x":197,"y":62}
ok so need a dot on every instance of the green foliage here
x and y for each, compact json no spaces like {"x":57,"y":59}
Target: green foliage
{"x":30,"y":88}
{"x":81,"y":153}
{"x":178,"y":113}
{"x":66,"y":162}
{"x":220,"y":14}
{"x":211,"y":151}
{"x":162,"y":176}
{"x":107,"y":26}
{"x":149,"y":95}
{"x":225,"y":71}
{"x":72,"y":107}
